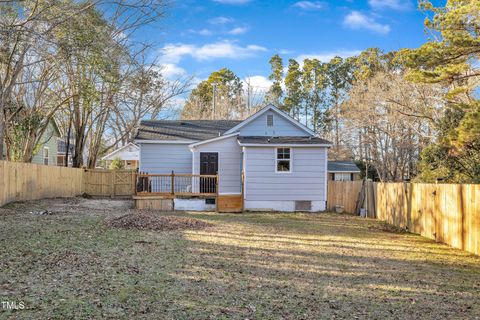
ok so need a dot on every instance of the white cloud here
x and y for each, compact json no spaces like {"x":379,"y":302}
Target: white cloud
{"x":173,"y":53}
{"x":357,"y":20}
{"x":238,"y":30}
{"x":235,"y":2}
{"x":172,"y":71}
{"x":309,"y":5}
{"x":257,"y":82}
{"x":390,"y":4}
{"x":202,"y":32}
{"x":285,"y":51}
{"x":220,"y":20}
{"x":327,"y":56}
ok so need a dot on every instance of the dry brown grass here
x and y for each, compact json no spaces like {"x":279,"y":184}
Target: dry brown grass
{"x":249,"y":266}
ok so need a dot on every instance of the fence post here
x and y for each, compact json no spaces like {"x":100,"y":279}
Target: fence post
{"x":112,"y":184}
{"x":134,"y":183}
{"x":173,"y":183}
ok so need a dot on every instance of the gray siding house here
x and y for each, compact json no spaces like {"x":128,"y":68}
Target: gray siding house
{"x":283,"y":163}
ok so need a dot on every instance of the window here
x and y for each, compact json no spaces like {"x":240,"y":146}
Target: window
{"x":342,"y":177}
{"x":45,"y":156}
{"x":269,"y":120}
{"x":283,"y":160}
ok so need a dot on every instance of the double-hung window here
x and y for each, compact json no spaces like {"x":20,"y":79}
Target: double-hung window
{"x":46,"y":155}
{"x":283,"y":160}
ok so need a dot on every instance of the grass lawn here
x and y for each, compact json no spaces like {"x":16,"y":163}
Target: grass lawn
{"x":247,"y":266}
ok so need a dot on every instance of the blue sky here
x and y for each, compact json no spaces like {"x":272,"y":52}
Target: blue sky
{"x":199,"y":37}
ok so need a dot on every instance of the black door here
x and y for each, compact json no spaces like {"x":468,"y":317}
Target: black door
{"x":208,"y":166}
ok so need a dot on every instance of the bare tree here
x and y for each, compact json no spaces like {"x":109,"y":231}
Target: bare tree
{"x":388,"y":122}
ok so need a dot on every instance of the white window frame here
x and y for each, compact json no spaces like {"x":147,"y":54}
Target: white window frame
{"x":48,"y":156}
{"x":289,"y":160}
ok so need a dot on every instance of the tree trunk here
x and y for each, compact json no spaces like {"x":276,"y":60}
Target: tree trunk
{"x":67,"y":145}
{"x":2,"y":131}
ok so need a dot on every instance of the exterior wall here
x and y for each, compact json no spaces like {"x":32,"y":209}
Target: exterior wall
{"x":332,"y":176}
{"x":192,"y":205}
{"x":156,"y":158}
{"x":49,"y":140}
{"x":229,"y":163}
{"x":264,"y":188}
{"x":288,"y":206}
{"x":281,"y":127}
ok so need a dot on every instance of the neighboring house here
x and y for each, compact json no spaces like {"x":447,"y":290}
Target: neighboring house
{"x":62,"y":152}
{"x":46,"y":150}
{"x":128,"y":154}
{"x":283,"y":163}
{"x":343,"y":171}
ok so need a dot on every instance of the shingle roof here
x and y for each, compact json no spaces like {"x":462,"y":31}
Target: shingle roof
{"x":282,"y":140}
{"x":342,"y":166}
{"x":183,"y":129}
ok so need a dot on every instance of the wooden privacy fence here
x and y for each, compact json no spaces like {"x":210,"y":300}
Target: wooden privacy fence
{"x":26,"y":181}
{"x":448,"y":213}
{"x":110,"y":183}
{"x":343,"y":193}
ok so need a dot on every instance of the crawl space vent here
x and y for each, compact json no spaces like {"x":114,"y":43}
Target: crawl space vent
{"x":303,"y":205}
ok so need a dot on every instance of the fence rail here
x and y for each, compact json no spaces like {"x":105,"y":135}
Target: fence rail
{"x":176,"y":184}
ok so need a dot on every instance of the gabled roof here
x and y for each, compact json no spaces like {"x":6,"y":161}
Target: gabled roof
{"x":114,"y":152}
{"x":199,"y":143}
{"x":195,"y":130}
{"x":260,"y":140}
{"x":279,"y":112}
{"x":342,"y":166}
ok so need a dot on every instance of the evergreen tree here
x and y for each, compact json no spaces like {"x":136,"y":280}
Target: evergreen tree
{"x":293,"y":85}
{"x":275,"y":93}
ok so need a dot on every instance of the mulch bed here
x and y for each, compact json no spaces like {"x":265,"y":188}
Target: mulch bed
{"x":142,"y":221}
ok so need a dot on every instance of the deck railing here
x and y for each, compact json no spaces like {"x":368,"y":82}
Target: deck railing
{"x":176,"y":184}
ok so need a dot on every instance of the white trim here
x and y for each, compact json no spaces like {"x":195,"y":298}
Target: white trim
{"x":287,"y":145}
{"x":166,"y":141}
{"x":193,"y":145}
{"x":326,"y":179}
{"x":344,"y":171}
{"x":139,"y":161}
{"x":230,"y":193}
{"x":289,"y":160}
{"x":244,"y":155}
{"x":120,"y":149}
{"x":265,"y":109}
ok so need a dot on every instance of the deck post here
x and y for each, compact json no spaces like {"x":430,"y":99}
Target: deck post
{"x":216,"y":191}
{"x":173,"y":183}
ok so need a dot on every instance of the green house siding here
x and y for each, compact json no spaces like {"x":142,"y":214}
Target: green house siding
{"x":48,"y":140}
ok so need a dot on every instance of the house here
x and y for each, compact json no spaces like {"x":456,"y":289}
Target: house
{"x":128,"y":154}
{"x":343,"y":171}
{"x":270,"y":161}
{"x":46,"y":150}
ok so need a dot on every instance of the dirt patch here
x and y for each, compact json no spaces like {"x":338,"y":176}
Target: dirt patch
{"x":142,"y":221}
{"x":385,"y":227}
